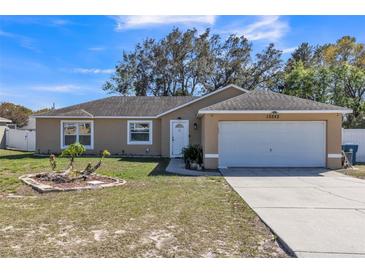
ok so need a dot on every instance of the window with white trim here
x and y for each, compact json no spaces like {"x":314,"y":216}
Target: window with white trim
{"x":139,"y":132}
{"x":77,"y":132}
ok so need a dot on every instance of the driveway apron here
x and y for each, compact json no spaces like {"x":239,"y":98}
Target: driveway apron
{"x":315,"y":212}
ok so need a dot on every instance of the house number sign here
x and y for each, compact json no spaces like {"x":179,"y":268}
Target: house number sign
{"x":273,"y":115}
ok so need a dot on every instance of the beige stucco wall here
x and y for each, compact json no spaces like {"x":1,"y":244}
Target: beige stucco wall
{"x":333,"y":132}
{"x":190,"y":113}
{"x":110,"y":134}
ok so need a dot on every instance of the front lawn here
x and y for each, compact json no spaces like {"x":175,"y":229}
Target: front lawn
{"x":154,"y":215}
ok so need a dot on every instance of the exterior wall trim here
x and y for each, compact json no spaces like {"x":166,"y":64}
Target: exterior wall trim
{"x":334,"y":155}
{"x":211,"y":156}
{"x":269,"y":111}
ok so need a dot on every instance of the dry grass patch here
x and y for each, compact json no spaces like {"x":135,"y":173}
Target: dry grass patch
{"x":154,"y":215}
{"x":358,"y":171}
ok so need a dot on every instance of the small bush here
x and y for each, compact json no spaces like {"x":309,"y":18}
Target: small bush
{"x":72,"y":151}
{"x":193,"y":154}
{"x":105,"y":153}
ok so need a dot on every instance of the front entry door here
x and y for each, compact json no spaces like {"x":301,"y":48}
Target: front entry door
{"x":179,"y":137}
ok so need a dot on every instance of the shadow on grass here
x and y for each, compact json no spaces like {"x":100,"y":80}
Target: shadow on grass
{"x":160,"y":168}
{"x":20,"y":156}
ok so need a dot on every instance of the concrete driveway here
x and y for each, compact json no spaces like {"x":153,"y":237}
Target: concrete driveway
{"x":315,"y":212}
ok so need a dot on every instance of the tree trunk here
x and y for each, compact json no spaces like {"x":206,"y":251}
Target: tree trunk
{"x":65,"y":177}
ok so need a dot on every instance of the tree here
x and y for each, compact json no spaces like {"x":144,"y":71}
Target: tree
{"x":305,"y":54}
{"x":265,"y":73}
{"x":346,"y":58}
{"x":330,"y":73}
{"x":185,"y":63}
{"x":188,"y":63}
{"x":227,"y":62}
{"x":42,"y":110}
{"x":309,"y":82}
{"x":16,"y":113}
{"x":349,"y":91}
{"x":345,"y":51}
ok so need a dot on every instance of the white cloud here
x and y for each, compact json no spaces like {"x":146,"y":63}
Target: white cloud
{"x":289,"y":50}
{"x":141,"y":21}
{"x":92,"y":71}
{"x":270,"y":28}
{"x":23,"y":41}
{"x":2,"y":93}
{"x":96,"y":48}
{"x":62,"y":88}
{"x":61,"y":22}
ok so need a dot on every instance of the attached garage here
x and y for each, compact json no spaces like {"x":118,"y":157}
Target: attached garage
{"x":272,"y":144}
{"x":269,"y":129}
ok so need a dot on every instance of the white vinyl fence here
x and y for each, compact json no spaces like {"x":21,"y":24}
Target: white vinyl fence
{"x":355,"y":137}
{"x":20,"y":139}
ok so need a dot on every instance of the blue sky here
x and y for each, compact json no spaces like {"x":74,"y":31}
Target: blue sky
{"x":66,"y":59}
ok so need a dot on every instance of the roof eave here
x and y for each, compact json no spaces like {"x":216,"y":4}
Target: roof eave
{"x":63,"y":116}
{"x":97,"y":117}
{"x":201,"y":98}
{"x":342,"y":111}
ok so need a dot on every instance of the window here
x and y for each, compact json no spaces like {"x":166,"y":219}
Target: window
{"x":77,"y":132}
{"x":139,"y":132}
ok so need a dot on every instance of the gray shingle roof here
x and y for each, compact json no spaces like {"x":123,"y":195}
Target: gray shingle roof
{"x":78,"y":113}
{"x":267,"y":100}
{"x":122,"y":106}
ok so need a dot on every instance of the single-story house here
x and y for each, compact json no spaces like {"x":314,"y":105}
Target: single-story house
{"x":234,"y":126}
{"x":3,"y":127}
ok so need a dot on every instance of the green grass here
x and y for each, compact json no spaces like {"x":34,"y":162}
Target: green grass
{"x":154,"y":215}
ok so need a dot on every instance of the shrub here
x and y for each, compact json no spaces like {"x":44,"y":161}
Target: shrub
{"x":105,"y":153}
{"x":74,"y":150}
{"x":193,"y":153}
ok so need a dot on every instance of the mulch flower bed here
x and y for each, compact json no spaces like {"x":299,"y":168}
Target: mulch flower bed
{"x":94,"y":181}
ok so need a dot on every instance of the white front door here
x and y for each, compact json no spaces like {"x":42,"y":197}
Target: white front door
{"x":179,"y":136}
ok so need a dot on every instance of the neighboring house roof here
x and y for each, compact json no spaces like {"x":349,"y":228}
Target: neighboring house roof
{"x":256,"y":101}
{"x":120,"y":106}
{"x":4,"y":120}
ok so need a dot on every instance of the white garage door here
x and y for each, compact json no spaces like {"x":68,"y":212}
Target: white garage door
{"x":272,"y":144}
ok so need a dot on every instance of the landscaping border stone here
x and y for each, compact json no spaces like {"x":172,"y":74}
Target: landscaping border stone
{"x":44,"y":188}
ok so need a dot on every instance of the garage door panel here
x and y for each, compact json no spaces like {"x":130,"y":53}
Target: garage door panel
{"x":272,"y":144}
